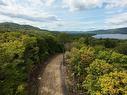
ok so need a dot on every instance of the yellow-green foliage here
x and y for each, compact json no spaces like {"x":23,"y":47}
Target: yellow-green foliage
{"x":118,"y":58}
{"x":87,"y":55}
{"x":112,"y":57}
{"x":98,"y":72}
{"x":10,"y":49}
{"x":99,"y":67}
{"x":114,"y":83}
{"x":94,"y":71}
{"x":79,"y":59}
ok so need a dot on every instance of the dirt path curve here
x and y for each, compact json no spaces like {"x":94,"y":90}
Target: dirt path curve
{"x":50,"y":78}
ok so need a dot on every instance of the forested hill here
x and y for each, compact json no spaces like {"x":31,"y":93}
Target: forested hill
{"x":9,"y":27}
{"x":108,"y":31}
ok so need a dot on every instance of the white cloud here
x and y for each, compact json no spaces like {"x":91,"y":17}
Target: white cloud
{"x":115,"y":3}
{"x":74,"y":5}
{"x":81,"y":4}
{"x":2,"y":3}
{"x":48,"y":2}
{"x":16,"y":10}
{"x":117,"y":19}
{"x":42,"y":2}
{"x":49,"y":18}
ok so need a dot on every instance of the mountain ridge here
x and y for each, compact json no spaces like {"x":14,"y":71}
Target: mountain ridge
{"x":10,"y":26}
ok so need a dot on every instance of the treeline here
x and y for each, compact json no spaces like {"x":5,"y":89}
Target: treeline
{"x":97,"y":67}
{"x":119,"y":46}
{"x":20,"y":52}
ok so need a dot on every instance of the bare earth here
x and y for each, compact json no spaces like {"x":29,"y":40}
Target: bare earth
{"x":50,"y":78}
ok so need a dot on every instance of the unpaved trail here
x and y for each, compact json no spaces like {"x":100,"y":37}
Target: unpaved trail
{"x":50,"y":78}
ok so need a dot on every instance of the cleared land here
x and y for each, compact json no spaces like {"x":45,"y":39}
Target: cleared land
{"x":50,"y":78}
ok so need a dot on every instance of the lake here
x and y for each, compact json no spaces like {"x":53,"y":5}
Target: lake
{"x":111,"y":36}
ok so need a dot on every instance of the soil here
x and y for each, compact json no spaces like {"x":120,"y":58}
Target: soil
{"x":50,"y":79}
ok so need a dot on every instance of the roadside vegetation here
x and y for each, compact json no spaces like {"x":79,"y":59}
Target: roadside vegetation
{"x":20,"y":52}
{"x":97,"y":67}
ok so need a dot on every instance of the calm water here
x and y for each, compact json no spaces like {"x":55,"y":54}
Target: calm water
{"x":112,"y":36}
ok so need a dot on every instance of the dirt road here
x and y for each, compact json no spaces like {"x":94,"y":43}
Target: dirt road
{"x":50,"y":78}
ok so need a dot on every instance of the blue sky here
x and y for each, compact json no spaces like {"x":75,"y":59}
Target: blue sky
{"x":66,"y":15}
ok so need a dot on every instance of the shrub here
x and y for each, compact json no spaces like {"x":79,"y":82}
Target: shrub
{"x":95,"y":70}
{"x":122,"y":48}
{"x":114,"y":83}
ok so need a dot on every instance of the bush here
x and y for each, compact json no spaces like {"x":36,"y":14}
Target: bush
{"x":114,"y":83}
{"x":104,"y":55}
{"x":112,"y":57}
{"x":95,"y":70}
{"x":122,"y":48}
{"x":79,"y":59}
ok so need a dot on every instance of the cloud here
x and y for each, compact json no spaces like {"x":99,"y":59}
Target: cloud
{"x":117,"y":19}
{"x":15,"y":9}
{"x":81,"y":4}
{"x":75,"y":5}
{"x":42,"y":2}
{"x":2,"y":3}
{"x":115,"y":3}
{"x":31,"y":18}
{"x":48,"y":2}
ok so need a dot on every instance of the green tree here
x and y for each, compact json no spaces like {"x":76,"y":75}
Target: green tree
{"x":110,"y":43}
{"x":122,"y":48}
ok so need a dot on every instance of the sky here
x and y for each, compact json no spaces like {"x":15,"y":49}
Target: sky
{"x":66,"y":15}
